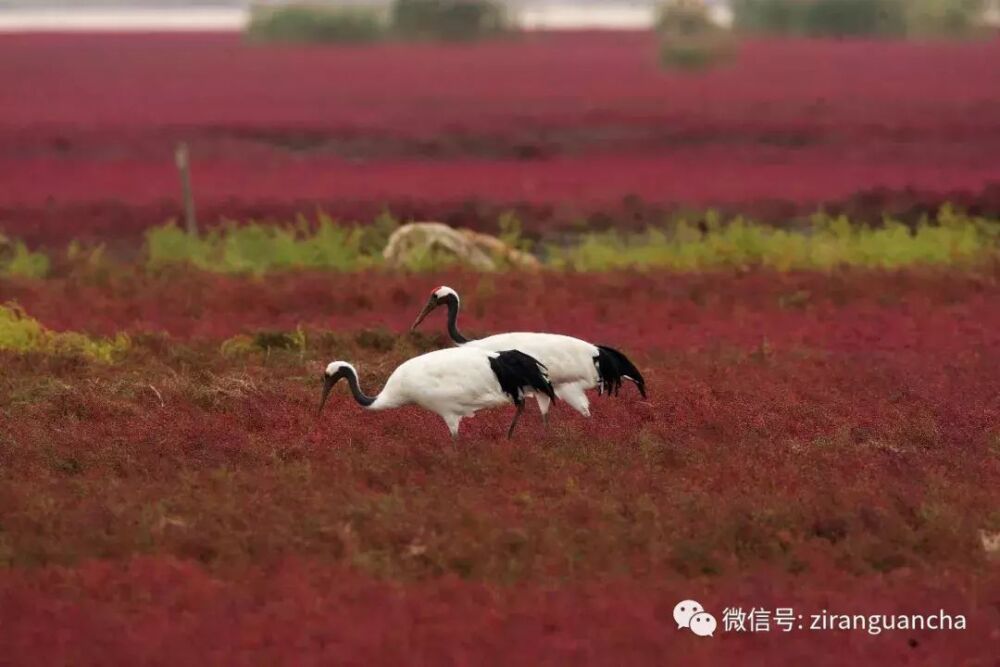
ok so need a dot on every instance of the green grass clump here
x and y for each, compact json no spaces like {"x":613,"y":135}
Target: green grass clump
{"x":21,"y":333}
{"x":689,"y":39}
{"x":258,"y":248}
{"x":833,"y":241}
{"x":315,"y":23}
{"x":18,"y":332}
{"x":444,"y":20}
{"x":16,"y":260}
{"x":449,"y":20}
{"x":264,"y":341}
{"x":862,"y":18}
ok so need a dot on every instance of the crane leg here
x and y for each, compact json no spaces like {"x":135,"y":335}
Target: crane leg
{"x":544,"y":403}
{"x":517,"y":415}
{"x":575,"y":397}
{"x":453,"y":421}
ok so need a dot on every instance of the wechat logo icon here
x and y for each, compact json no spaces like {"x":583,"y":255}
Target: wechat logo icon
{"x":691,"y":615}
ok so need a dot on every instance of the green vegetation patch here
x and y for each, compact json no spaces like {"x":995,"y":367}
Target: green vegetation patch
{"x":826,"y":242}
{"x":952,"y":239}
{"x":689,"y":38}
{"x":259,"y":248}
{"x":21,"y":333}
{"x":16,"y":260}
{"x":449,"y":20}
{"x":316,"y":23}
{"x":441,"y":20}
{"x":863,"y":18}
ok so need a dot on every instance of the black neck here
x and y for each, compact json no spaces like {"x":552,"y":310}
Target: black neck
{"x":453,"y":331}
{"x":363,"y":399}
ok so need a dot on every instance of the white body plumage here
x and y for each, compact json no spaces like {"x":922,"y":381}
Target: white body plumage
{"x":570,"y":362}
{"x":574,"y":365}
{"x":453,"y":383}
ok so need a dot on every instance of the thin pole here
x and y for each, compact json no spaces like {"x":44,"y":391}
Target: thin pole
{"x":184,"y":167}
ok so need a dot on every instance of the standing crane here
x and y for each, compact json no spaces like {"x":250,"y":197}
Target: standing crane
{"x":574,"y":365}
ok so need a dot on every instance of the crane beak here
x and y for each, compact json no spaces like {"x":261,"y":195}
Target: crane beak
{"x":328,"y":382}
{"x":431,"y":305}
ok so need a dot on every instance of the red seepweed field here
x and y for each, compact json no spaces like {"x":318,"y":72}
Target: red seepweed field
{"x":563,"y":126}
{"x":821,"y":442}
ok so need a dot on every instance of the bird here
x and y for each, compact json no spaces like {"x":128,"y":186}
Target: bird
{"x":453,"y":383}
{"x":574,"y":365}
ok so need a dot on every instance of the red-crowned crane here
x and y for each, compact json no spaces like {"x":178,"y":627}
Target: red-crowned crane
{"x":574,"y":365}
{"x":453,"y":383}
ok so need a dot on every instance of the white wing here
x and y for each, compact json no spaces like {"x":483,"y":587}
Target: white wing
{"x":569,"y":360}
{"x":456,"y":380}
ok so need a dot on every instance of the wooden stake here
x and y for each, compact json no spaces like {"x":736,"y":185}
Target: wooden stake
{"x":184,"y":167}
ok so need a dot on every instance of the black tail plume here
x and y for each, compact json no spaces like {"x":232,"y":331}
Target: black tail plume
{"x":516,"y":370}
{"x":613,"y":367}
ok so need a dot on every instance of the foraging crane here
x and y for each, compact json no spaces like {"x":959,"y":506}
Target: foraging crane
{"x":453,"y":383}
{"x":574,"y":365}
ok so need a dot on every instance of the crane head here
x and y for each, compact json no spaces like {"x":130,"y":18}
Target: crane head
{"x":335,"y":371}
{"x":439,"y":295}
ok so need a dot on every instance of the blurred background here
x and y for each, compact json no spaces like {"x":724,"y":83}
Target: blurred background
{"x":207,"y":14}
{"x":588,"y":114}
